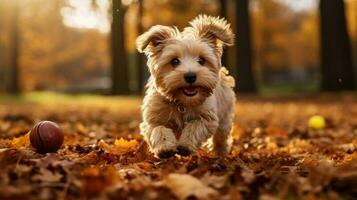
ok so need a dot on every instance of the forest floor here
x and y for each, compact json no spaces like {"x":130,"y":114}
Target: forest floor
{"x":275,"y":154}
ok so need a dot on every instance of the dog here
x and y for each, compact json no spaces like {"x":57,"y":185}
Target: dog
{"x":189,"y":96}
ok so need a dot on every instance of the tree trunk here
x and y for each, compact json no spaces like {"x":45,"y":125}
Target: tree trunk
{"x":223,"y":13}
{"x":2,"y":50}
{"x":13,"y":86}
{"x":143,"y":73}
{"x":245,"y":80}
{"x":120,"y":82}
{"x":336,"y":63}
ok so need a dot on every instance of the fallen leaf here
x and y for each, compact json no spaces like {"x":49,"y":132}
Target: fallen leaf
{"x":97,"y":179}
{"x":21,"y":142}
{"x":144,"y":165}
{"x":47,"y":176}
{"x":121,"y":146}
{"x":126,"y":145}
{"x":184,"y":186}
{"x":214,"y":181}
{"x":275,"y":131}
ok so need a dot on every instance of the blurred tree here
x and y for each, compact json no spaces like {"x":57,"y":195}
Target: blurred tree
{"x":336,"y":62}
{"x":143,"y":73}
{"x":272,"y":31}
{"x":245,"y":78}
{"x":13,"y":84}
{"x":285,"y":42}
{"x":73,"y":60}
{"x":223,"y":13}
{"x":2,"y":49}
{"x":304,"y":46}
{"x":119,"y":63}
{"x":176,"y":12}
{"x":351,"y":6}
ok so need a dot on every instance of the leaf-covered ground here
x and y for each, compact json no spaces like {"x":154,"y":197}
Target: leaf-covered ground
{"x":275,"y":154}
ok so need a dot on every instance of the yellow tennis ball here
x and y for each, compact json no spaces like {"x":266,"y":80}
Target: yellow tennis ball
{"x":317,"y":122}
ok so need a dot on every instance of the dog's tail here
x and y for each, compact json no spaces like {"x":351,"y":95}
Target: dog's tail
{"x":226,"y":79}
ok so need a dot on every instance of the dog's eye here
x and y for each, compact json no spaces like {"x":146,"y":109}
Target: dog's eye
{"x":201,"y":61}
{"x":175,"y":62}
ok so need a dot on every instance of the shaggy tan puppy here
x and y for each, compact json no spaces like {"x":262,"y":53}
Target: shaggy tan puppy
{"x":189,"y":96}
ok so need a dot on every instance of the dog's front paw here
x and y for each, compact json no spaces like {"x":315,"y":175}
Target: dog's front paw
{"x":166,"y":154}
{"x":184,"y":151}
{"x":193,"y":135}
{"x":163,"y":142}
{"x":186,"y":148}
{"x":164,"y":151}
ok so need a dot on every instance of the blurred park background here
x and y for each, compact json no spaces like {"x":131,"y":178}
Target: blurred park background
{"x":88,"y":46}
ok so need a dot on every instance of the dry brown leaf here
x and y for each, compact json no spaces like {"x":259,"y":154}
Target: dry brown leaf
{"x":121,"y":146}
{"x":21,"y":142}
{"x":184,"y":186}
{"x":126,"y":145}
{"x":97,"y":179}
{"x":275,"y":131}
{"x":47,"y":176}
{"x":145,"y":165}
{"x":214,"y":181}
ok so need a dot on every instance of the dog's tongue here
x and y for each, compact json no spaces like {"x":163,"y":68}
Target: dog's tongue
{"x":190,"y":90}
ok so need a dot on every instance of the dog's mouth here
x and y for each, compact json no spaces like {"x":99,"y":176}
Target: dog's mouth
{"x":190,"y":91}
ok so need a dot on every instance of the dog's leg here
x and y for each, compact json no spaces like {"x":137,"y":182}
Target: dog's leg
{"x":194,"y":134}
{"x":222,"y":139}
{"x":161,"y":140}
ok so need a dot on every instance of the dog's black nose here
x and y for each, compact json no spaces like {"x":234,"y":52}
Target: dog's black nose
{"x":190,"y":77}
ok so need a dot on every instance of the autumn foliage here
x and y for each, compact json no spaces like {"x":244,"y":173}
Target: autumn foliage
{"x":275,"y":153}
{"x":59,"y":55}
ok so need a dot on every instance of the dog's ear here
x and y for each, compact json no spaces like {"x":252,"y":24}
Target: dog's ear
{"x":214,"y":30}
{"x":152,"y":40}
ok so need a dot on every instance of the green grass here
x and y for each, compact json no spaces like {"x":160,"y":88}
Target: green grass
{"x":53,"y":98}
{"x":289,"y":89}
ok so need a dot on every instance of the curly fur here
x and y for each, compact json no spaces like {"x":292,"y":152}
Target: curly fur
{"x":172,"y":120}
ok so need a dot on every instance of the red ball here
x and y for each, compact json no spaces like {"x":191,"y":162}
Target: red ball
{"x":46,"y":137}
